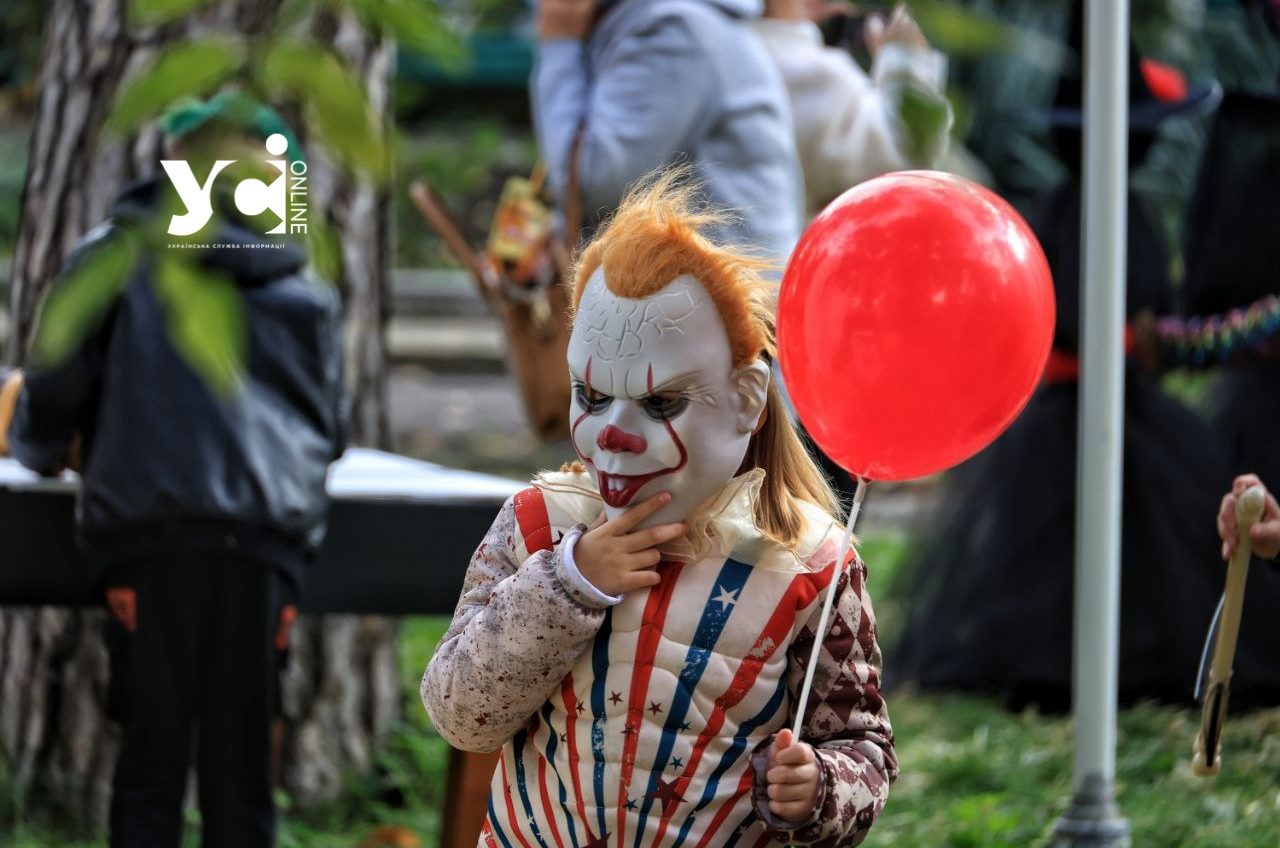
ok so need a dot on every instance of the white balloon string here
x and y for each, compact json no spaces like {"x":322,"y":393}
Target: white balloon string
{"x":837,"y":571}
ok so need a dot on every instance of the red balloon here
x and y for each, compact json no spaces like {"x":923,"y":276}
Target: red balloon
{"x":914,"y":322}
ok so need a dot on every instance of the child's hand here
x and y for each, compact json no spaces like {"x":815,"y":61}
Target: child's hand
{"x":616,"y":558}
{"x":793,"y":778}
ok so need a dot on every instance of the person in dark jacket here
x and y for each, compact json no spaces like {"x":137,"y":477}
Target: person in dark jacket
{"x":201,"y":504}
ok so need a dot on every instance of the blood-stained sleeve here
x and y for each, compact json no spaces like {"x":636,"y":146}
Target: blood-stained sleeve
{"x":517,"y":631}
{"x":846,"y":722}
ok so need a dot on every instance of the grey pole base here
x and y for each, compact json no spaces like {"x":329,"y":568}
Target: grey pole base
{"x":1092,"y":820}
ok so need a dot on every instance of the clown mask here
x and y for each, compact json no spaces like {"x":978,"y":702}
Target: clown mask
{"x":658,"y":405}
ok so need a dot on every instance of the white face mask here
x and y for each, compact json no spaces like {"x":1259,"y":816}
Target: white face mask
{"x":657,"y":404}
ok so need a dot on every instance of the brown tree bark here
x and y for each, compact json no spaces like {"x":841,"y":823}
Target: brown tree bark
{"x":341,"y":694}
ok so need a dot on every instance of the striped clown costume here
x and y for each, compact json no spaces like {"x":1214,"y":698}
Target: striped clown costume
{"x":646,"y":719}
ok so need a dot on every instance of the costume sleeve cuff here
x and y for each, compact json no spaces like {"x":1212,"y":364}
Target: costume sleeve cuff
{"x":578,"y":585}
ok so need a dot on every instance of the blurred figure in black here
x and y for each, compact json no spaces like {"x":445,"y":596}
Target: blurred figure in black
{"x":993,"y":585}
{"x":200,"y":508}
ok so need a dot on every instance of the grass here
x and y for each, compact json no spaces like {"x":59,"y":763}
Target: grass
{"x":973,"y":776}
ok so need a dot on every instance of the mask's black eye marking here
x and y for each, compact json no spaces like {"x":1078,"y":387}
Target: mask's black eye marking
{"x":663,"y":407}
{"x":589,"y":399}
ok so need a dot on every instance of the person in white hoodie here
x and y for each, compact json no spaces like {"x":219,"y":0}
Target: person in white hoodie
{"x":623,"y":87}
{"x":848,"y":123}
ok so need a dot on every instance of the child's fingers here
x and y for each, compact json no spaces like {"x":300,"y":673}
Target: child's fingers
{"x":781,"y":742}
{"x":600,"y":520}
{"x":647,"y":558}
{"x":654,"y":536}
{"x":792,"y":810}
{"x":804,"y":774}
{"x":795,"y":755}
{"x":638,"y":580}
{"x":790,"y":792}
{"x":632,"y":518}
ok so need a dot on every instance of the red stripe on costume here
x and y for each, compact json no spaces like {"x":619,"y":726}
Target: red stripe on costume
{"x":762,"y":841}
{"x":487,"y":832}
{"x":815,"y":583}
{"x":513,"y":823}
{"x":571,"y":713}
{"x":648,"y":640}
{"x":766,"y":645}
{"x":531,"y":516}
{"x":546,"y":797}
{"x":744,"y":786}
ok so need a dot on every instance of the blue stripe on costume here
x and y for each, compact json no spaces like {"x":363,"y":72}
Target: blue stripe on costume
{"x":494,"y":826}
{"x":517,"y":744}
{"x":715,"y":614}
{"x":599,"y":669}
{"x":734,"y":752}
{"x":552,"y":741}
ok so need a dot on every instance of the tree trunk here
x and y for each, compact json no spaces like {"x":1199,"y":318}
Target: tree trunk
{"x":340,"y":692}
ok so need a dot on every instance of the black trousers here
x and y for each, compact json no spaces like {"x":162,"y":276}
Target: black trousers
{"x":199,"y":671}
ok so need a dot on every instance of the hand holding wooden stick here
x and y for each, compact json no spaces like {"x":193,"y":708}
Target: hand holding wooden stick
{"x":1208,"y":746}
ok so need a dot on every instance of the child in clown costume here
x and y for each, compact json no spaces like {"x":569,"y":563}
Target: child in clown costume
{"x":634,"y":630}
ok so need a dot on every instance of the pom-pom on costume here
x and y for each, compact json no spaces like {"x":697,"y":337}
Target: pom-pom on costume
{"x":635,"y":720}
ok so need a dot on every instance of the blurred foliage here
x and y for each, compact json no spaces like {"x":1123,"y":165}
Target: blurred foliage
{"x":206,"y":320}
{"x":21,"y":23}
{"x":13,"y":168}
{"x":87,"y":289}
{"x":467,"y":163}
{"x":186,"y":69}
{"x":486,"y":15}
{"x":335,"y":106}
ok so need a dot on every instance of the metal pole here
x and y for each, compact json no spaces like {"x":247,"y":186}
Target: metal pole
{"x":1092,"y":819}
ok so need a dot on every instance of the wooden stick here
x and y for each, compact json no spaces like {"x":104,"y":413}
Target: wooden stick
{"x":1207,"y":758}
{"x":439,"y":219}
{"x":846,"y":542}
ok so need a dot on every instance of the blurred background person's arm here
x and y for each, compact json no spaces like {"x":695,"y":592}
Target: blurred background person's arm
{"x":58,"y":396}
{"x":851,"y":126}
{"x":634,"y":112}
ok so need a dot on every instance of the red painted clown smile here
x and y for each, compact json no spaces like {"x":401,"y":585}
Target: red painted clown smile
{"x":618,"y":490}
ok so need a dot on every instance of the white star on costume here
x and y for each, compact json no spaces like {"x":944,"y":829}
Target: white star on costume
{"x":726,"y":598}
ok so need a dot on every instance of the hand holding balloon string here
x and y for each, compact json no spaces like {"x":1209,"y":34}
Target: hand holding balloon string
{"x":793,"y":777}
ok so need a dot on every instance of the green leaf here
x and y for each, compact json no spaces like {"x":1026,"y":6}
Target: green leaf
{"x":206,"y":321}
{"x":925,"y":116}
{"x":415,"y":25}
{"x":958,"y":31}
{"x":153,"y":12}
{"x":83,"y":295}
{"x":190,"y":69}
{"x":335,"y":106}
{"x":326,"y":250}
